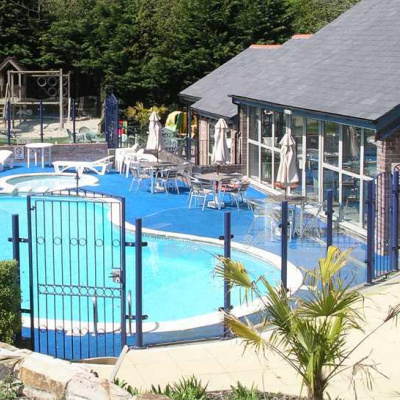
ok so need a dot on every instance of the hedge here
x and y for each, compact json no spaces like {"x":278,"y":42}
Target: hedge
{"x":10,"y":301}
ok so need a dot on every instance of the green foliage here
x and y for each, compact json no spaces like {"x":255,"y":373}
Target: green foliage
{"x":124,"y":385}
{"x":186,"y":389}
{"x":10,"y":301}
{"x":240,"y":392}
{"x":310,"y":334}
{"x":10,"y":388}
{"x":311,"y":15}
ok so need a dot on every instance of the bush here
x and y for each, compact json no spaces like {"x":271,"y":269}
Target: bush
{"x":186,"y":389}
{"x":10,"y":301}
{"x":10,"y":388}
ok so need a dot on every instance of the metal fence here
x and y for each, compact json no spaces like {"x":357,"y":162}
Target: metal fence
{"x":85,"y":285}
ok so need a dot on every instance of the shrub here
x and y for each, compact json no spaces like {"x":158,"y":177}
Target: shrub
{"x":10,"y":388}
{"x":10,"y":301}
{"x":186,"y":389}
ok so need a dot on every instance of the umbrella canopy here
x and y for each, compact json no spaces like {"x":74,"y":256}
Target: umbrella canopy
{"x":220,"y":153}
{"x":287,"y":173}
{"x":155,"y":140}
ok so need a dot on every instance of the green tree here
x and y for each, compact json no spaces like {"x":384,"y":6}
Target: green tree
{"x":312,"y":15}
{"x":310,"y":334}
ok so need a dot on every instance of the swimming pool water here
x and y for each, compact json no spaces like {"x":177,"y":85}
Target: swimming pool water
{"x":77,"y":247}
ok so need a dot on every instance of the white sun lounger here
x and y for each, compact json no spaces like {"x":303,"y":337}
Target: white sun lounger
{"x":6,"y":158}
{"x":99,"y":166}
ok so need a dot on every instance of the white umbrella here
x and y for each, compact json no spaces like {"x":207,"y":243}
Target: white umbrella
{"x":220,"y":153}
{"x":155,"y":140}
{"x":287,"y":173}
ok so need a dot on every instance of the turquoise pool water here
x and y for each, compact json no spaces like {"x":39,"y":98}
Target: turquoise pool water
{"x":76,"y":247}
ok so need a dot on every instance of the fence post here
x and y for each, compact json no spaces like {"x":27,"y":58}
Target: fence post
{"x":138,"y":283}
{"x":284,"y":244}
{"x":41,"y":120}
{"x":16,"y":253}
{"x":329,"y":218}
{"x":73,"y":120}
{"x":370,"y":231}
{"x":8,"y":122}
{"x":227,"y":254}
{"x":123,"y":275}
{"x":394,"y":221}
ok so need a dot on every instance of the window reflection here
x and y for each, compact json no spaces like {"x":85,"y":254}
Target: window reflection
{"x":351,"y":148}
{"x":331,"y":143}
{"x":254,"y":161}
{"x":369,"y":153}
{"x":266,"y":166}
{"x":280,"y":127}
{"x":331,"y":181}
{"x":266,"y":127}
{"x":297,"y":133}
{"x":311,"y":164}
{"x":351,"y":198}
{"x":254,"y":123}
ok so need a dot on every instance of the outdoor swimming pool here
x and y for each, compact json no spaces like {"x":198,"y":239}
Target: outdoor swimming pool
{"x":178,"y":280}
{"x":45,"y":182}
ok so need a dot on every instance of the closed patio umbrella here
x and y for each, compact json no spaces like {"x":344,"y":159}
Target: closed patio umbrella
{"x":155,"y":140}
{"x":220,"y":153}
{"x":287,"y":176}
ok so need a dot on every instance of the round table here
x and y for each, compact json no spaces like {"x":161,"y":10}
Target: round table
{"x":34,"y":148}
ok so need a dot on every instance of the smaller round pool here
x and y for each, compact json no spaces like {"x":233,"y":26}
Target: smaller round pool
{"x":45,"y":182}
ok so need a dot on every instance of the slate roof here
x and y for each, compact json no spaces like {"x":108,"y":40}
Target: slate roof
{"x":349,"y":68}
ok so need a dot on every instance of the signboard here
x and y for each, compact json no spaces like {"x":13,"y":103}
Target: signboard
{"x":19,"y":152}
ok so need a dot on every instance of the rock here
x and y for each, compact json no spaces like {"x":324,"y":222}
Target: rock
{"x":150,"y":396}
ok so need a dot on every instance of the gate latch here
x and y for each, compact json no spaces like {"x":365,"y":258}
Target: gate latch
{"x":116,"y":276}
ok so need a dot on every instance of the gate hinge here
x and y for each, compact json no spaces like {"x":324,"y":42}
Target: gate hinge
{"x":33,"y":208}
{"x":133,"y":317}
{"x":223,"y":237}
{"x":20,"y":240}
{"x":132,"y":244}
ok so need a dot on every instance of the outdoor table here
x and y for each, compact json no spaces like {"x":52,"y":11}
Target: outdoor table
{"x":155,"y":168}
{"x":300,"y":201}
{"x":34,"y":148}
{"x":216,"y":182}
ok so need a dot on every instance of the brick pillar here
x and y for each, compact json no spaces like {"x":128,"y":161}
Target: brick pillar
{"x":203,"y":140}
{"x":243,"y":130}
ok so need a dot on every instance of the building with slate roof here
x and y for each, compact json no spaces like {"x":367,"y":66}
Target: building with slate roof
{"x":339,"y":94}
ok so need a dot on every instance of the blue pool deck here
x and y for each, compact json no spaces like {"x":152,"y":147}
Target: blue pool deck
{"x":170,"y":213}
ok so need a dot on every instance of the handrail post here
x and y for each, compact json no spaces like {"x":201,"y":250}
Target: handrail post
{"x":395,"y":221}
{"x":329,"y":218}
{"x":370,"y":232}
{"x":227,"y":254}
{"x":138,"y":283}
{"x":8,"y":113}
{"x":41,"y":120}
{"x":73,"y":120}
{"x":284,"y":244}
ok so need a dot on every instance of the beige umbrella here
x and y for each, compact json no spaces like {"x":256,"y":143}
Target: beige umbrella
{"x":220,"y":154}
{"x":155,"y":140}
{"x":287,"y":176}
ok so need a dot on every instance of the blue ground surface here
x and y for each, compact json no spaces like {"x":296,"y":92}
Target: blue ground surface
{"x":170,"y":213}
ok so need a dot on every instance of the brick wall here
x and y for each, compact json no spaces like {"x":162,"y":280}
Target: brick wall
{"x":243,"y":130}
{"x":388,"y":152}
{"x":74,"y":152}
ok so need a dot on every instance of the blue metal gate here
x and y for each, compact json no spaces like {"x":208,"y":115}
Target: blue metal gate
{"x":77,"y":274}
{"x":111,"y":120}
{"x":382,"y":225}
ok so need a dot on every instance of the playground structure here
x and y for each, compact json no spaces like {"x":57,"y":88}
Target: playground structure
{"x":24,"y":93}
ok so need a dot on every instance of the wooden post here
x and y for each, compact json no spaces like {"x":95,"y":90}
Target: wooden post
{"x":61,"y":100}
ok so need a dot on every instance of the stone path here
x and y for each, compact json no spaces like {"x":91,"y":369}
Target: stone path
{"x":223,"y":363}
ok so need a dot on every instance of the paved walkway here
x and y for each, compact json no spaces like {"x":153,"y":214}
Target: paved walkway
{"x":223,"y":363}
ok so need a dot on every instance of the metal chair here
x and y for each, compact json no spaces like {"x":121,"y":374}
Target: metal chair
{"x":139,"y":174}
{"x":168,"y":176}
{"x":199,"y":192}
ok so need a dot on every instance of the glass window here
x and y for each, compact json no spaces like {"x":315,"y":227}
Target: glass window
{"x":331,"y":143}
{"x":297,"y":133}
{"x":351,"y":149}
{"x":266,"y":166}
{"x":254,"y":161}
{"x":277,"y":160}
{"x":279,"y":127}
{"x":266,"y":127}
{"x":369,"y":153}
{"x":351,"y":198}
{"x":331,"y":181}
{"x":311,"y":164}
{"x":254,"y":123}
{"x":211,"y":138}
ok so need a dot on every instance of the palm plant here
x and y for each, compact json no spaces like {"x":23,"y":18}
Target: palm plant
{"x":311,"y":333}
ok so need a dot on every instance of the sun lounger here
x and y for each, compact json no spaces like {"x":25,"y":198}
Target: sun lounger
{"x":6,"y":158}
{"x":99,"y":166}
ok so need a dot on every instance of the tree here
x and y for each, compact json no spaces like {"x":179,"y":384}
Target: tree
{"x":310,"y":334}
{"x":312,"y":15}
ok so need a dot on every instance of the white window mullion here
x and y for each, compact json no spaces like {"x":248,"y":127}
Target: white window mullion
{"x":320,"y":161}
{"x":303,"y":158}
{"x":340,"y":163}
{"x":362,"y":152}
